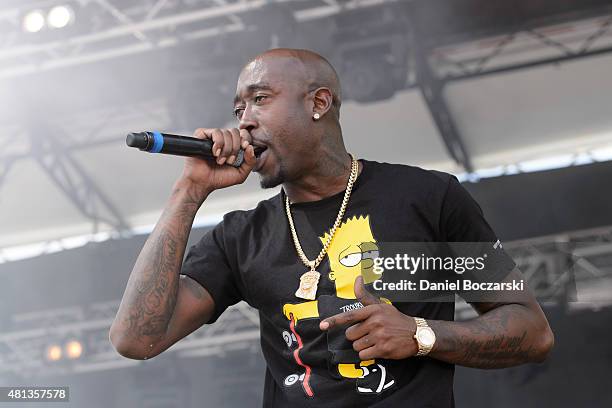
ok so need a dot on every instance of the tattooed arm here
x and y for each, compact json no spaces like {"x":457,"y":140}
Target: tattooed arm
{"x":159,"y":306}
{"x":142,"y":326}
{"x":504,"y":334}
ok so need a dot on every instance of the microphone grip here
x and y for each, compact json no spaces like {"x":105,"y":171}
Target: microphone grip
{"x":156,"y":142}
{"x":186,"y":146}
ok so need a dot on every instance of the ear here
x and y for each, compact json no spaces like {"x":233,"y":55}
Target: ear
{"x":322,"y":101}
{"x":332,"y":276}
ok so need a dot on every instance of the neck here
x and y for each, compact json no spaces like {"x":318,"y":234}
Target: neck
{"x":327,"y":177}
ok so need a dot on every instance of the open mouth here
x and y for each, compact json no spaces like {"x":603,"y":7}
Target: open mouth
{"x":260,"y":155}
{"x":259,"y":150}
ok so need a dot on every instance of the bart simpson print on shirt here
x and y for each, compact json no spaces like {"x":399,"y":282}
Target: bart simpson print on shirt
{"x":351,"y":253}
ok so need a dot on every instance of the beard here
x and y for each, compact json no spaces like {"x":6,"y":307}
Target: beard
{"x":273,"y":180}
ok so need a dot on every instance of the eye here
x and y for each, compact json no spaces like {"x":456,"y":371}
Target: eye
{"x":238,"y":112}
{"x":351,"y":259}
{"x":259,"y":98}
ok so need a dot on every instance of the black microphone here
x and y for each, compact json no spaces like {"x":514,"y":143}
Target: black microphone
{"x":157,"y":142}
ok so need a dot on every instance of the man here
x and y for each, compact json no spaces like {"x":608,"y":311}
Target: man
{"x":288,"y":107}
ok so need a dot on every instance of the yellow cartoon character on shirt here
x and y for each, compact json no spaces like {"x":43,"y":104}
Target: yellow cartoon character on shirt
{"x":351,"y":253}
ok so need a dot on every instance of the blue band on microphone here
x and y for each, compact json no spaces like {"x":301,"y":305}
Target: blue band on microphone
{"x":158,"y":142}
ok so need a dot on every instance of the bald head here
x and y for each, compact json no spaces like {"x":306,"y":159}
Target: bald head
{"x":309,"y":70}
{"x":289,"y":102}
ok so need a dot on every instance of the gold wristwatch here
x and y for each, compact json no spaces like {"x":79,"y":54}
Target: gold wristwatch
{"x":425,"y":336}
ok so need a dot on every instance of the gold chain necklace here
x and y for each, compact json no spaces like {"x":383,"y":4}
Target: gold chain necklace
{"x":310,"y":280}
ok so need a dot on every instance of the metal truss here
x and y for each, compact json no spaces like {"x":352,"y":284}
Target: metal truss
{"x":524,"y":48}
{"x":22,"y":352}
{"x":573,"y":270}
{"x":117,"y":28}
{"x":88,"y":130}
{"x":432,"y":90}
{"x":56,"y":155}
{"x":144,"y":27}
{"x":67,"y":173}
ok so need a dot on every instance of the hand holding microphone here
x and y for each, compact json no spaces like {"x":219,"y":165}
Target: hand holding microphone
{"x":223,"y":146}
{"x":157,"y":142}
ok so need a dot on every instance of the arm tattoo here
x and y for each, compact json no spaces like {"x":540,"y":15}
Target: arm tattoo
{"x":152,"y":290}
{"x":503,"y":337}
{"x":494,"y":352}
{"x":151,"y":309}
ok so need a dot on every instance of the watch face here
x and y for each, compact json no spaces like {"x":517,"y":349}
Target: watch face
{"x":426,"y":336}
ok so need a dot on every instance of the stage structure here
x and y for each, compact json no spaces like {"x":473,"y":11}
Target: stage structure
{"x":424,"y":45}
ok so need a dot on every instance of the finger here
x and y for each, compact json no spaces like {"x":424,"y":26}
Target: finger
{"x":202,"y":133}
{"x":218,"y":142}
{"x":363,"y":343}
{"x":245,"y":138}
{"x":362,"y":294}
{"x":226,"y":152}
{"x":350,"y":317}
{"x":356,"y":331}
{"x":370,"y":353}
{"x":235,"y":135}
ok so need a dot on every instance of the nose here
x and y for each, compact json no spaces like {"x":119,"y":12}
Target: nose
{"x":247,"y":121}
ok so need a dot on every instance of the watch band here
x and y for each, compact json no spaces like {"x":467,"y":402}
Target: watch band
{"x":423,"y":348}
{"x":420,"y":322}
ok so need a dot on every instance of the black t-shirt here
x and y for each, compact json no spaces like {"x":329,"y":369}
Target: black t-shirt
{"x":250,"y":256}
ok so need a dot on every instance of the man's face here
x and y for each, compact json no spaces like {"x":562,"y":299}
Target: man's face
{"x":271,"y":104}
